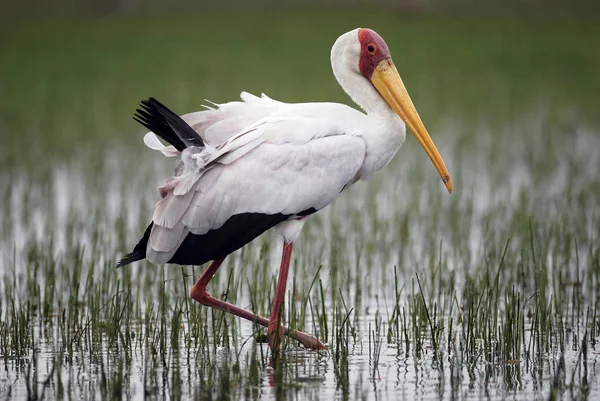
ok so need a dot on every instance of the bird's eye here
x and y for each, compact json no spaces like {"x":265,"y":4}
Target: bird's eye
{"x":371,"y":49}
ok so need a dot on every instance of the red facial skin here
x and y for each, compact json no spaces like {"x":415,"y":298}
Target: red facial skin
{"x":370,"y":59}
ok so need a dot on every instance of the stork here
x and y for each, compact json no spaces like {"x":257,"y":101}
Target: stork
{"x":251,"y":165}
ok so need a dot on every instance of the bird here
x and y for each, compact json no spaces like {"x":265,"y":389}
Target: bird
{"x":251,"y":165}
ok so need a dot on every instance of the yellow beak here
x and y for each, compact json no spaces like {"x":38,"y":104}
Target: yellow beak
{"x":389,"y":84}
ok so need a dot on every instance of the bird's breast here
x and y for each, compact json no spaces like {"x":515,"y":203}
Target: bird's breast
{"x":381,"y":146}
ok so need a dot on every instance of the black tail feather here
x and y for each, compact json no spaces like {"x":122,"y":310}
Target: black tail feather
{"x":155,"y":116}
{"x":139,"y":252}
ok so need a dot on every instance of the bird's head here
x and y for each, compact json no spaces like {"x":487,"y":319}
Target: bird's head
{"x":362,"y":52}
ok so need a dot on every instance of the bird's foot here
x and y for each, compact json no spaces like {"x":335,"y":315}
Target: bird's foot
{"x":307,"y":340}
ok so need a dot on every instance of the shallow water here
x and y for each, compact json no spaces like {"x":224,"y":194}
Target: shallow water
{"x":516,"y":326}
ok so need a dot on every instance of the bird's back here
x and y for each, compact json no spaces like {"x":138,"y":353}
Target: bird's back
{"x":219,"y":122}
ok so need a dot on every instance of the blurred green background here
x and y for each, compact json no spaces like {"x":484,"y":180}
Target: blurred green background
{"x":72,"y":73}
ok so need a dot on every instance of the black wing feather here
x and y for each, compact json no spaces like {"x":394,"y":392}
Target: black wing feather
{"x":159,"y":119}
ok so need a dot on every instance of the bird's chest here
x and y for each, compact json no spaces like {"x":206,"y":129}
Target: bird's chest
{"x":380,"y":149}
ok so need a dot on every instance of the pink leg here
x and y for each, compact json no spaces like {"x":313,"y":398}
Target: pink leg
{"x":199,"y":293}
{"x":274,"y":331}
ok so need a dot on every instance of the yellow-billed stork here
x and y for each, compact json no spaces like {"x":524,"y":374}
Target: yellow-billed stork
{"x":256,"y":164}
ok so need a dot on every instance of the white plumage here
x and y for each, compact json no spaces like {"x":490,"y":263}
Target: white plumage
{"x":256,"y":172}
{"x":249,"y":165}
{"x":287,"y":159}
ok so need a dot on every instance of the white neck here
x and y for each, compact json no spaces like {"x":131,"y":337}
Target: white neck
{"x":362,"y":92}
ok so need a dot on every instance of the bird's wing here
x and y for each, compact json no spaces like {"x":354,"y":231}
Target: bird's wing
{"x":277,"y":177}
{"x":220,"y":122}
